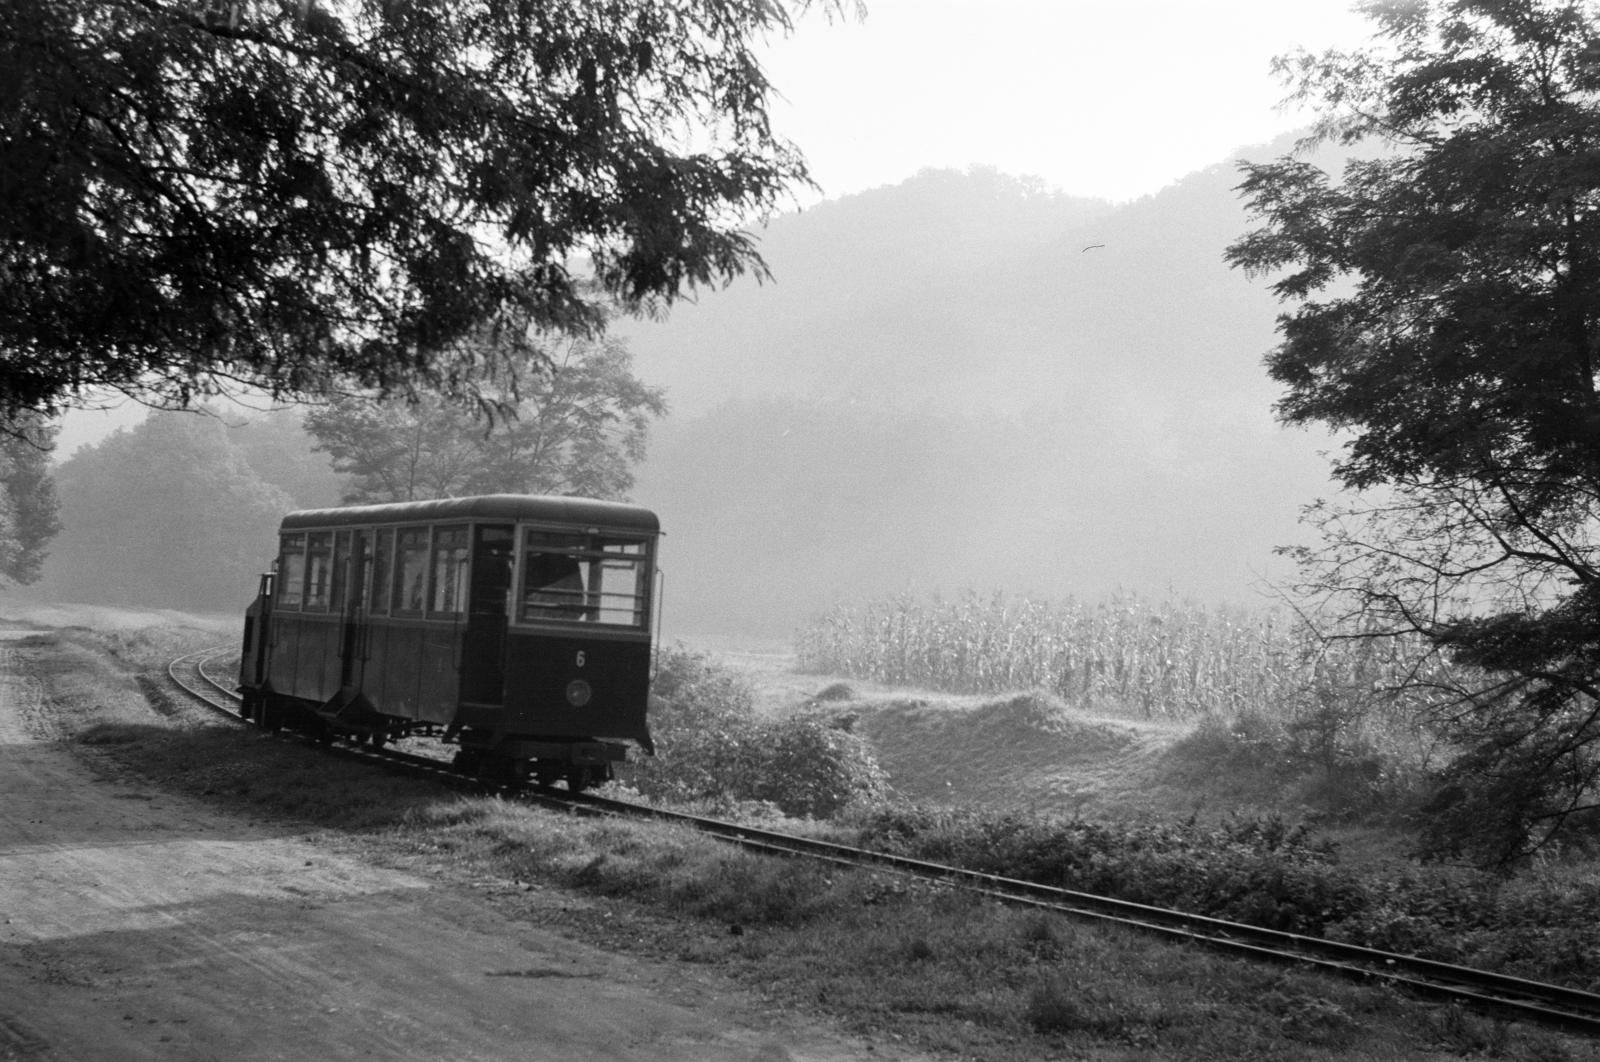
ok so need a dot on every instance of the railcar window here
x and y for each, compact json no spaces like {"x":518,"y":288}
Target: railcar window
{"x":584,"y":579}
{"x":411,"y":571}
{"x":319,"y":569}
{"x":552,"y":582}
{"x":291,"y":571}
{"x":449,"y":571}
{"x":382,"y":556}
{"x":619,"y":585}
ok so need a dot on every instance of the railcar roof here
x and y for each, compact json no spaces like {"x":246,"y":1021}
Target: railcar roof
{"x":536,"y":507}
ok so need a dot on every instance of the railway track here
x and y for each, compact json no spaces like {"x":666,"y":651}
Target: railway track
{"x":1569,"y":1009}
{"x":191,"y":675}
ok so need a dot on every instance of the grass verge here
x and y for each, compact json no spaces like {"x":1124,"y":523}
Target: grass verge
{"x":886,"y":957}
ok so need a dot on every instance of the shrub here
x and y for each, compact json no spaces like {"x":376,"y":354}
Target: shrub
{"x":1354,"y":778}
{"x":809,"y":768}
{"x":711,"y":747}
{"x":1262,"y":871}
{"x":1269,"y":872}
{"x":690,"y":690}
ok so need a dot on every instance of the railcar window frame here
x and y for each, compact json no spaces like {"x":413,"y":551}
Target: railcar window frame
{"x":411,"y":543}
{"x":449,"y":574}
{"x":359,"y":572}
{"x":339,"y":578}
{"x":636,"y":558}
{"x":319,"y":571}
{"x":290,"y":582}
{"x":381,"y":592}
{"x":561,"y":578}
{"x":491,"y":590}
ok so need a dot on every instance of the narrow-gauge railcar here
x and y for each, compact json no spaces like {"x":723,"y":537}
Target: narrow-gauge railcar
{"x":515,"y":627}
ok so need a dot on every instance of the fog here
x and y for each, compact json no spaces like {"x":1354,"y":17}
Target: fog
{"x":957,"y":383}
{"x":962,"y":383}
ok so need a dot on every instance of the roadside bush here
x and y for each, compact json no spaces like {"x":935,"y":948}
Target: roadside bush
{"x":690,"y":690}
{"x":807,"y":767}
{"x":1262,"y":871}
{"x":710,"y":746}
{"x":1268,"y":872}
{"x":1346,"y":776}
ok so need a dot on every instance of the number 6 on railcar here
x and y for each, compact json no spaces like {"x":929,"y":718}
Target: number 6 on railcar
{"x":514,"y":627}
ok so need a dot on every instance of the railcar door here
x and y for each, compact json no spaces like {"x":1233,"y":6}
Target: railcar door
{"x":483,"y":652}
{"x":352,"y":569}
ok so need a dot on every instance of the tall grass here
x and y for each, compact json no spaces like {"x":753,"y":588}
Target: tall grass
{"x":1123,"y":655}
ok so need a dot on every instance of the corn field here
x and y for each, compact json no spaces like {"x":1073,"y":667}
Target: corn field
{"x":1172,"y":660}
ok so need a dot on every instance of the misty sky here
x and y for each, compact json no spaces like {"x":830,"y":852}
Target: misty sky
{"x":1108,"y":98}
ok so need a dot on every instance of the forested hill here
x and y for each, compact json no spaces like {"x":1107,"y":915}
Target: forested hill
{"x":963,"y":382}
{"x":864,"y":289}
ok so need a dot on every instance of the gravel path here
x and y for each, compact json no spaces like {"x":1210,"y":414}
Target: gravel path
{"x":137,"y":924}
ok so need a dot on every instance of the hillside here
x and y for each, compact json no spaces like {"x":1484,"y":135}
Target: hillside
{"x":965,"y":382}
{"x":959,"y":382}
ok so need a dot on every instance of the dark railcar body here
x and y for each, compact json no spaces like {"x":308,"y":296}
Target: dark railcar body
{"x":516,"y":626}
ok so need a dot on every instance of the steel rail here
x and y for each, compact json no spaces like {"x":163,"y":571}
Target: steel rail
{"x":200,"y":658}
{"x":429,"y":766}
{"x":1570,"y":1009}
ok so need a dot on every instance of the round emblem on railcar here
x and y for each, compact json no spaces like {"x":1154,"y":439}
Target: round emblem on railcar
{"x":578,"y":693}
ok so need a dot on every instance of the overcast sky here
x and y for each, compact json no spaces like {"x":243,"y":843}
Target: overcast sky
{"x":1108,"y":98}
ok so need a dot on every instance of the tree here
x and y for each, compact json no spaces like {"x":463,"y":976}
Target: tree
{"x":291,"y":194}
{"x":577,"y":428}
{"x":397,"y":450}
{"x":277,"y":448}
{"x":1447,"y":322}
{"x":165,"y":514}
{"x":28,"y":505}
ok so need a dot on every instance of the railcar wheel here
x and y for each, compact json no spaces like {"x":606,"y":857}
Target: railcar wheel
{"x":380,"y":738}
{"x":578,"y":779}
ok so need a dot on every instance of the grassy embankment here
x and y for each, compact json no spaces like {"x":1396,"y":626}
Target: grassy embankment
{"x":886,"y":957}
{"x":1272,"y":747}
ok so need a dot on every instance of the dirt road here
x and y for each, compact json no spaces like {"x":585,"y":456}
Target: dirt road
{"x":136,"y":924}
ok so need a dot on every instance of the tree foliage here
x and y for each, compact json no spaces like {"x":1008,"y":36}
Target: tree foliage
{"x":578,"y":426}
{"x":277,"y":448}
{"x":200,"y":194}
{"x":1446,"y":320}
{"x":28,"y":503}
{"x":165,"y":514}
